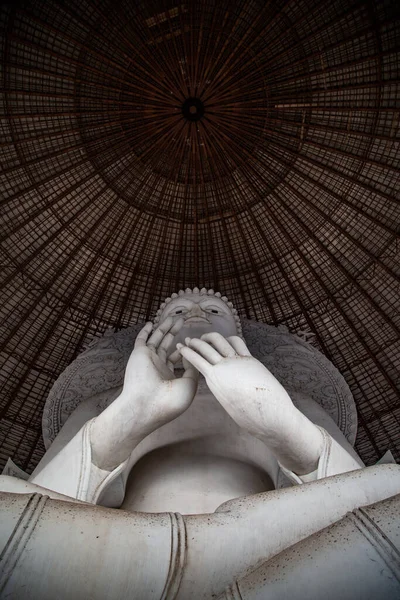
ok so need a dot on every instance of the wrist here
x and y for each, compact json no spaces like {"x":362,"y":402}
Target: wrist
{"x":114,"y":434}
{"x":111,"y":448}
{"x":280,"y":424}
{"x":297,"y":443}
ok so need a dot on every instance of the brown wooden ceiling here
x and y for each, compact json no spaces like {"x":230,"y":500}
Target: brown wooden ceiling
{"x":284,"y":194}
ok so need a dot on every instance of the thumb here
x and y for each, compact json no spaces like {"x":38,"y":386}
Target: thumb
{"x":184,"y":390}
{"x":190,"y":371}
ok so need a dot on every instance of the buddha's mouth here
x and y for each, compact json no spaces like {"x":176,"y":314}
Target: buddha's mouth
{"x":197,"y":320}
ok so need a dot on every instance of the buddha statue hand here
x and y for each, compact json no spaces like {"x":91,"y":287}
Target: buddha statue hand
{"x":158,"y":396}
{"x":151,"y":396}
{"x":255,"y":399}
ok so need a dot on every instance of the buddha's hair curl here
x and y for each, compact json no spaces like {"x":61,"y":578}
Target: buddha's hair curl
{"x":202,"y":292}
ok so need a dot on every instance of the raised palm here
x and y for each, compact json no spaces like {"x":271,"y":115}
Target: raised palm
{"x":151,"y":396}
{"x":156,"y":395}
{"x":244,"y":387}
{"x":255,"y":399}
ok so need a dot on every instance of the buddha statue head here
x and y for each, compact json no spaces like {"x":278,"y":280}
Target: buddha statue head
{"x":203,"y":311}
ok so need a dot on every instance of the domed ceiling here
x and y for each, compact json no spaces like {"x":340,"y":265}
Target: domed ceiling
{"x":247,"y":146}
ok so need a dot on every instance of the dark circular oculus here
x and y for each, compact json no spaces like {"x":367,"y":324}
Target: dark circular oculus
{"x":193,"y":109}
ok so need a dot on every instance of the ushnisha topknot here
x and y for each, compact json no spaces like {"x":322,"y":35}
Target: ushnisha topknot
{"x":202,"y":292}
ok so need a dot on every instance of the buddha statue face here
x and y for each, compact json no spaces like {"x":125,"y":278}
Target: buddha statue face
{"x":203,"y":311}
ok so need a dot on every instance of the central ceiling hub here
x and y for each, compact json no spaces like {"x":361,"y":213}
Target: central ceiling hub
{"x":193,"y":109}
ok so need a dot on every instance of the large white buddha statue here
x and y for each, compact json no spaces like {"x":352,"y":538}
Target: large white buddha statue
{"x":199,"y":445}
{"x":200,"y":428}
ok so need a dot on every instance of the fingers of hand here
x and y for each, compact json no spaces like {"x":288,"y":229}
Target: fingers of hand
{"x":219,"y":343}
{"x":177,"y":326}
{"x":190,"y":371}
{"x":194,"y":359}
{"x":204,"y":349}
{"x":238,"y":344}
{"x":143,"y":334}
{"x":160,"y":332}
{"x":174,"y":357}
{"x":168,"y":339}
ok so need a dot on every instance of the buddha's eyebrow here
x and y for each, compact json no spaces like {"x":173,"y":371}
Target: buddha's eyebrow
{"x":209,"y":301}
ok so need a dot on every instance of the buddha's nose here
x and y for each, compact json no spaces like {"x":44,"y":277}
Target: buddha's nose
{"x":196,"y":311}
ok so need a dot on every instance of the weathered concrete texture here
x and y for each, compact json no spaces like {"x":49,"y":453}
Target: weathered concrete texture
{"x":66,"y":550}
{"x":357,"y":558}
